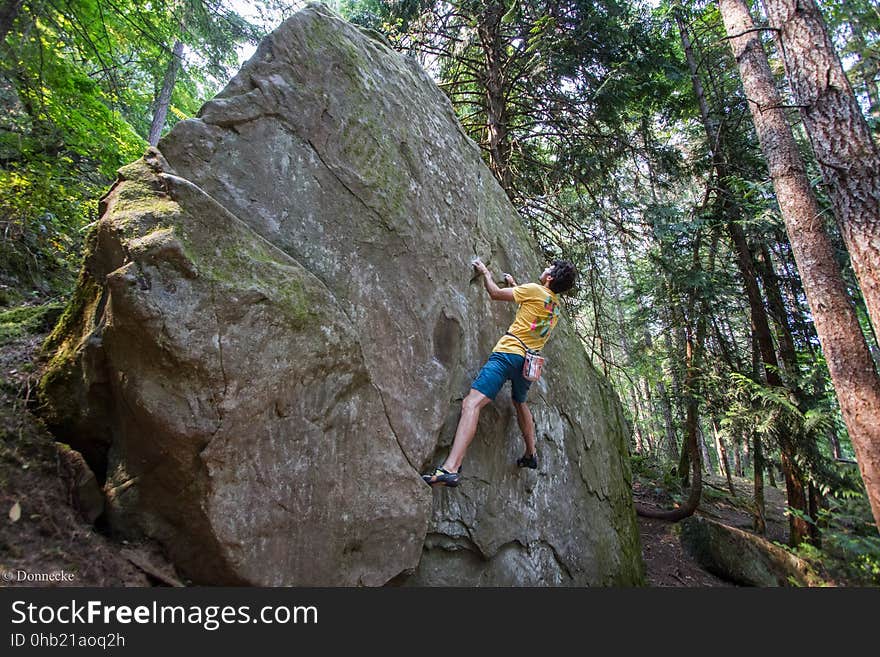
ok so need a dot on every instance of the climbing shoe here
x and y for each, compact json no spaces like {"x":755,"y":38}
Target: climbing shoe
{"x":528,"y":461}
{"x":441,"y":477}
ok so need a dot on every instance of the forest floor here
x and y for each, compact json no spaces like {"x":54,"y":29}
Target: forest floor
{"x":41,"y":531}
{"x":667,"y":563}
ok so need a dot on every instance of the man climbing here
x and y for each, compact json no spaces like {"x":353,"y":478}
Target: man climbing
{"x":538,"y":313}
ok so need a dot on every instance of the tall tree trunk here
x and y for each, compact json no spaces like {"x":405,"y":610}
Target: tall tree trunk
{"x":681,"y":326}
{"x":760,"y":325}
{"x":693,"y":358}
{"x":758,"y":519}
{"x":788,"y":447}
{"x":704,"y":450}
{"x":671,"y":368}
{"x":788,"y":355}
{"x":776,"y":304}
{"x":737,"y":456}
{"x":795,"y":291}
{"x":723,"y":461}
{"x":670,"y":442}
{"x":834,"y":441}
{"x":815,"y":505}
{"x":163,"y":100}
{"x":841,"y":139}
{"x":641,"y":399}
{"x":662,"y":395}
{"x":846,"y":352}
{"x":9,"y":11}
{"x":770,"y":476}
{"x":718,"y":449}
{"x":663,"y":400}
{"x":794,"y":480}
{"x":491,"y":41}
{"x":693,"y":363}
{"x":637,"y":421}
{"x":684,"y":457}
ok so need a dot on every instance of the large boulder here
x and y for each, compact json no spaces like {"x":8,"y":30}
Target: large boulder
{"x":742,"y":557}
{"x":275,"y":325}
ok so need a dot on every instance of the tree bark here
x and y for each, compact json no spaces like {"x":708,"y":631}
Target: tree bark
{"x":163,"y":101}
{"x":839,"y":134}
{"x":760,"y":325}
{"x":846,"y":352}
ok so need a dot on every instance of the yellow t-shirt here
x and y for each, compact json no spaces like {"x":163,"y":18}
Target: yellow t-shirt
{"x":537,"y":315}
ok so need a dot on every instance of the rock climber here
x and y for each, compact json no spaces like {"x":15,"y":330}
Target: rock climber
{"x":536,"y":317}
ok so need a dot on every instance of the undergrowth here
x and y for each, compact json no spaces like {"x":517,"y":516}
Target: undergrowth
{"x":848,"y":553}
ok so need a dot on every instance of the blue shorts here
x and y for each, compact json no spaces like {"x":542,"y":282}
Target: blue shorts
{"x":499,"y":368}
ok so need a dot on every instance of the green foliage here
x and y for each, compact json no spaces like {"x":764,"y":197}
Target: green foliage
{"x":77,"y":86}
{"x":855,"y":26}
{"x":25,"y":320}
{"x":653,"y":472}
{"x":850,"y":547}
{"x":390,"y":18}
{"x":773,"y":412}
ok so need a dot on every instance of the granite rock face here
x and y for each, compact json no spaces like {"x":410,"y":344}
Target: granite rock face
{"x":276,"y":323}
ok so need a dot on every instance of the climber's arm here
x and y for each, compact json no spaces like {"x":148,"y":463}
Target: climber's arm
{"x":496,"y":293}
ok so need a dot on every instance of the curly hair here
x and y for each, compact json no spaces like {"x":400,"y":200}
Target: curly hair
{"x":564,"y":275}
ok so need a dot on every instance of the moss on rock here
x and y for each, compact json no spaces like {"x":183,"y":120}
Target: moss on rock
{"x":24,"y":320}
